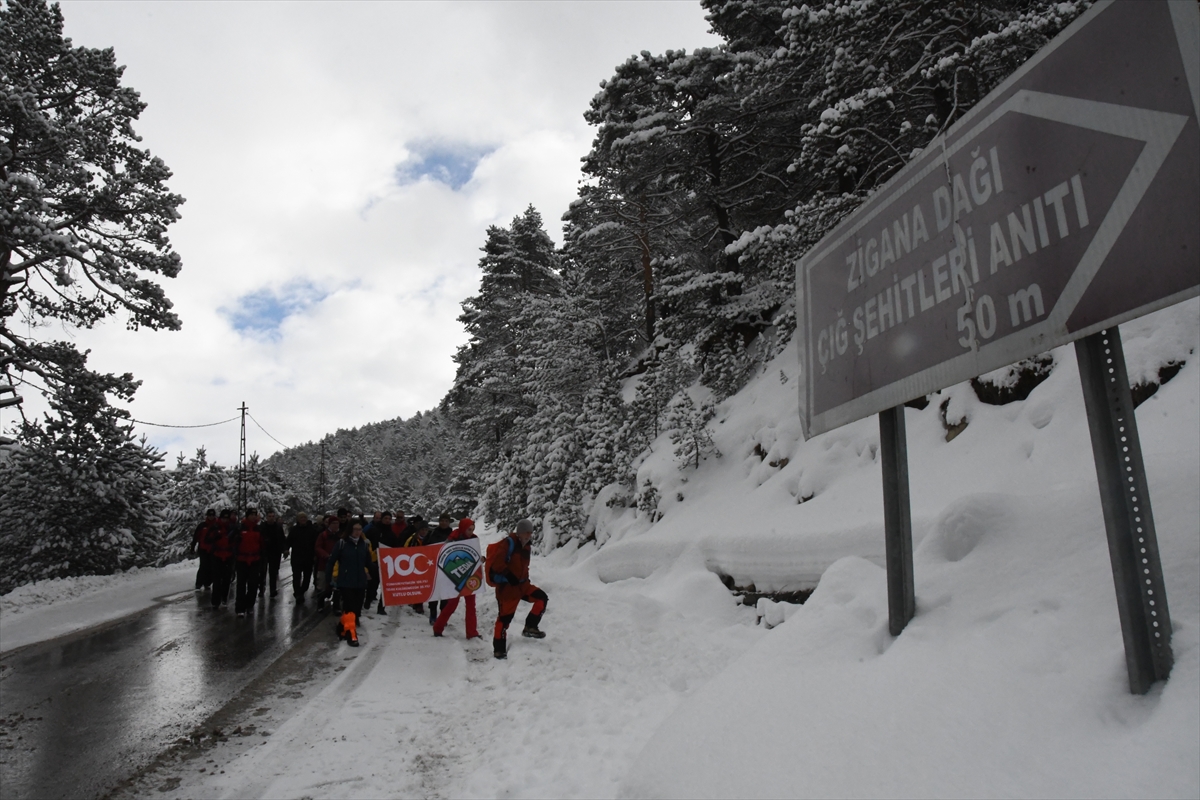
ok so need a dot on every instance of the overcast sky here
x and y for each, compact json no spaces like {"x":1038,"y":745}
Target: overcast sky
{"x":341,"y":163}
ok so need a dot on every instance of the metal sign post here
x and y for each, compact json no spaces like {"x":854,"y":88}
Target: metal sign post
{"x":897,"y":519}
{"x":1063,"y":204}
{"x":1125,"y":499}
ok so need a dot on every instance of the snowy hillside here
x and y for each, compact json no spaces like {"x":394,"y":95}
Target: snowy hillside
{"x":1011,"y":679}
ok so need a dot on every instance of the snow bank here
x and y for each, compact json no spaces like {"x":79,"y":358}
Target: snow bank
{"x":1011,"y":679}
{"x":47,"y":609}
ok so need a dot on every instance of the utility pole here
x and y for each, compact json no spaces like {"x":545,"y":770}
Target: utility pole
{"x":242,"y":465}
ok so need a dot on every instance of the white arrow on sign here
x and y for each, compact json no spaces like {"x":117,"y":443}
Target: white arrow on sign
{"x":1158,"y":129}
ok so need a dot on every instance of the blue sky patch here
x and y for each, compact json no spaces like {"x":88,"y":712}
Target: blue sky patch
{"x":451,"y":164}
{"x":262,"y":312}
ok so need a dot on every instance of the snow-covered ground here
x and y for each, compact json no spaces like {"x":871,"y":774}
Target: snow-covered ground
{"x":653,"y":682}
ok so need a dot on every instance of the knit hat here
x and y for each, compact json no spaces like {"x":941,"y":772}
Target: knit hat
{"x":525,"y":526}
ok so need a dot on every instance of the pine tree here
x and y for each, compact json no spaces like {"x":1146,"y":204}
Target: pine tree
{"x":80,"y":496}
{"x":85,"y":210}
{"x":266,"y":490}
{"x":489,"y":400}
{"x":356,"y":483}
{"x":688,"y":423}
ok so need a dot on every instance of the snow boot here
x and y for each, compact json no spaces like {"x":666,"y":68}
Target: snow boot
{"x":531,"y":632}
{"x":349,"y":626}
{"x":500,"y":648}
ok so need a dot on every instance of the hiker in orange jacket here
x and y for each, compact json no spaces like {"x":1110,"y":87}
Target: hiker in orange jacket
{"x":465,"y":530}
{"x":508,"y":570}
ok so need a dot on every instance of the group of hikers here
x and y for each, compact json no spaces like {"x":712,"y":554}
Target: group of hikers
{"x":340,"y":559}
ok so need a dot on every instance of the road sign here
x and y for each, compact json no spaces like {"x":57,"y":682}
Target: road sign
{"x":1064,"y":203}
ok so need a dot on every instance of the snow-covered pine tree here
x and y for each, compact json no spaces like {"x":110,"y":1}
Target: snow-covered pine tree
{"x":86,"y":210}
{"x":488,"y":400}
{"x":82,"y":238}
{"x":266,"y":490}
{"x":81,"y":496}
{"x":688,"y":421}
{"x":356,"y":483}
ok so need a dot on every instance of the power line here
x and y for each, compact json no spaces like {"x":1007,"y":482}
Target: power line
{"x":264,"y":430}
{"x":160,"y":425}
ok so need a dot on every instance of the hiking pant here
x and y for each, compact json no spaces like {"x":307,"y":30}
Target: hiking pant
{"x":302,"y":573}
{"x":509,"y":597}
{"x":248,"y":575}
{"x":436,"y":607}
{"x":204,"y":571}
{"x":222,"y":575}
{"x":448,"y":611}
{"x":271,"y":565}
{"x":352,"y":600}
{"x":372,"y":591}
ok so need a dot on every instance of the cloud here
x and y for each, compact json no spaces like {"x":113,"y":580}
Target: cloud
{"x":341,"y":163}
{"x":451,"y":164}
{"x":262,"y":312}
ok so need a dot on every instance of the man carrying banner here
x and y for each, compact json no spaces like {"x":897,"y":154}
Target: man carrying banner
{"x":352,"y":557}
{"x":508,"y":570}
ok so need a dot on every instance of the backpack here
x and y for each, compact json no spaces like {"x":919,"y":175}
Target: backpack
{"x":494,"y":558}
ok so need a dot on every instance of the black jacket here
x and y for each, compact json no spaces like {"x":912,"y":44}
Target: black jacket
{"x":438,"y":535}
{"x":354,"y":563}
{"x":274,"y":540}
{"x":303,"y":540}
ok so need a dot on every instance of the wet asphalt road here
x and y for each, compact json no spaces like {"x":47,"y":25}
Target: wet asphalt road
{"x":80,"y":714}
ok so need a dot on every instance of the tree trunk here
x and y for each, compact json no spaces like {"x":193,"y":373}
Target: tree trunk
{"x":643,"y":238}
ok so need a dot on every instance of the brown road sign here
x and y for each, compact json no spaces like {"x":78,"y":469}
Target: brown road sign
{"x":1066,"y":202}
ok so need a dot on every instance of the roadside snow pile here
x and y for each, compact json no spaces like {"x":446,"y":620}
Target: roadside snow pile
{"x":1011,"y":679}
{"x":46,"y":609}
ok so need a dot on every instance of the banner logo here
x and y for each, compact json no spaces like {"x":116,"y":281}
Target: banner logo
{"x":458,"y":563}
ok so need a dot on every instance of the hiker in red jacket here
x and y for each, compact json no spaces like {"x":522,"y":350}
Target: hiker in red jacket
{"x":465,"y":530}
{"x":220,"y":544}
{"x":326,"y":540}
{"x":508,"y":570}
{"x":248,"y":546}
{"x":202,"y":546}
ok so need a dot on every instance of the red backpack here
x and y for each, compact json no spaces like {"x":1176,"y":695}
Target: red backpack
{"x":494,"y":559}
